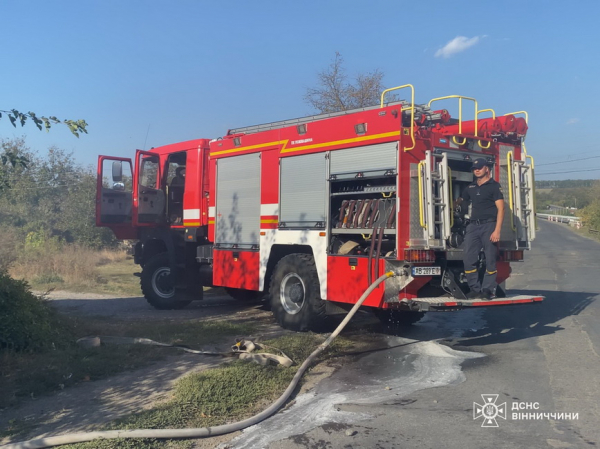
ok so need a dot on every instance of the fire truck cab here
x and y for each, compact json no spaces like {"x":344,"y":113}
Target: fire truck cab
{"x":309,"y":212}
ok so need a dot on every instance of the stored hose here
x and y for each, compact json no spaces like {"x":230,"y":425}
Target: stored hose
{"x":203,"y":432}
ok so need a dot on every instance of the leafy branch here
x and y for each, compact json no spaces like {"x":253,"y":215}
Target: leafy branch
{"x":16,"y":117}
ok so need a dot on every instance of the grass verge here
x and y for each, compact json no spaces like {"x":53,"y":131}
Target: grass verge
{"x":34,"y":374}
{"x":79,"y":269}
{"x":217,"y":396}
{"x":585,"y":231}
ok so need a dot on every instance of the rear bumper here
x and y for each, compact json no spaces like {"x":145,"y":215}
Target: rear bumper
{"x":448,"y":304}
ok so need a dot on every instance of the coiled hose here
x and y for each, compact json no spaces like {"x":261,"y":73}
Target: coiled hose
{"x":202,"y":432}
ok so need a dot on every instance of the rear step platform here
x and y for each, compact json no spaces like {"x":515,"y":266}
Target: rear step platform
{"x":448,"y":304}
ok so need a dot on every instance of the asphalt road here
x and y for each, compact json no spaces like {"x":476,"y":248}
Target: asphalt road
{"x":541,"y":360}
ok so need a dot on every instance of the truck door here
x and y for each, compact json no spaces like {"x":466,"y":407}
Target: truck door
{"x":149,"y":198}
{"x":114,"y":192}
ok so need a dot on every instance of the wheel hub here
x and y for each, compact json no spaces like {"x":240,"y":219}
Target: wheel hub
{"x":292,"y":293}
{"x":296,"y":293}
{"x":161,"y":283}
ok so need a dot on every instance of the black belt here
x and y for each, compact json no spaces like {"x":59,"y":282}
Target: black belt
{"x":483,"y":221}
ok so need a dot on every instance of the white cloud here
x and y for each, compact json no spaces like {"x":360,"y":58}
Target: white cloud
{"x":572,"y":121}
{"x":456,"y":45}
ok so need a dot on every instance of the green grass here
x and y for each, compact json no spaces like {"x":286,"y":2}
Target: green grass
{"x":221,"y":395}
{"x":118,"y":277}
{"x":34,"y":374}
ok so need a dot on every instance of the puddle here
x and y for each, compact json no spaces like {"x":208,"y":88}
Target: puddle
{"x":376,"y":378}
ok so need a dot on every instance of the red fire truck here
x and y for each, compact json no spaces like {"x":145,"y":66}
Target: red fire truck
{"x":306,"y":213}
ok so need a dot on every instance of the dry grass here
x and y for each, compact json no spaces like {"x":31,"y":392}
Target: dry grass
{"x":77,"y":268}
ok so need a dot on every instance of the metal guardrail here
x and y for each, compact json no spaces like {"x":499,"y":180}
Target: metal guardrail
{"x":560,"y":218}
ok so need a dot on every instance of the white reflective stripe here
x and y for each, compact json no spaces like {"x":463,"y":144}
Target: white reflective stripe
{"x":311,"y":238}
{"x":191,"y":214}
{"x":211,"y":211}
{"x":269,"y":209}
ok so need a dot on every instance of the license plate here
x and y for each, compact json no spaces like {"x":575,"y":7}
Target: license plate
{"x":426,"y":271}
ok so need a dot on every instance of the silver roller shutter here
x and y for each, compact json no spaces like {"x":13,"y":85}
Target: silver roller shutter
{"x":303,"y":190}
{"x":370,"y":158}
{"x":238,"y":200}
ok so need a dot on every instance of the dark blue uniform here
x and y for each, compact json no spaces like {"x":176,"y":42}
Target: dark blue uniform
{"x":481,"y":226}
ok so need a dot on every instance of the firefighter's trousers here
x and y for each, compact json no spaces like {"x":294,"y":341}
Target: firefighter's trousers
{"x":476,"y":238}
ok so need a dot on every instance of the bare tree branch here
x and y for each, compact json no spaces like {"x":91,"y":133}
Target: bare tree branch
{"x":334,"y":93}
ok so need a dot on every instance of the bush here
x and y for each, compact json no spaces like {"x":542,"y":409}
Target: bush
{"x":8,"y":247}
{"x":591,"y":213}
{"x":26,"y":321}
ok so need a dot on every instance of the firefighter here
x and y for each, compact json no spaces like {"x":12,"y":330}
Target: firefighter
{"x":483,"y":230}
{"x":179,"y":178}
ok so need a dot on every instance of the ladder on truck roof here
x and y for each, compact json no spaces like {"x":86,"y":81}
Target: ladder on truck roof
{"x":420,"y":109}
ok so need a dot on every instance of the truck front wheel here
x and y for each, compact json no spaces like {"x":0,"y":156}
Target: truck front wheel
{"x":157,"y":286}
{"x":295,"y":294}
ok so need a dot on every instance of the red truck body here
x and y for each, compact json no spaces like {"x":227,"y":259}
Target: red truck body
{"x":308,"y":212}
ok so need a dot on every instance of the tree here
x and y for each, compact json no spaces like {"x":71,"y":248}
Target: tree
{"x":7,"y":157}
{"x":52,"y":197}
{"x":334,"y":93}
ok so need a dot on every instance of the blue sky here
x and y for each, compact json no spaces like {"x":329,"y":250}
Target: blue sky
{"x":146,"y":73}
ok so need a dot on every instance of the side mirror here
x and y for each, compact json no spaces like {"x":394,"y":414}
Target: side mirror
{"x":117,"y":171}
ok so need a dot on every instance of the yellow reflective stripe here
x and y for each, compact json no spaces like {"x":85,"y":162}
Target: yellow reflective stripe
{"x":251,"y":147}
{"x":470,"y":271}
{"x":491,"y":272}
{"x":341,"y":142}
{"x":285,"y":149}
{"x":275,"y":220}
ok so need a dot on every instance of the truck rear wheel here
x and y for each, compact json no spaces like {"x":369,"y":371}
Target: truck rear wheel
{"x":157,"y":287}
{"x":295,"y":294}
{"x":398,"y":318}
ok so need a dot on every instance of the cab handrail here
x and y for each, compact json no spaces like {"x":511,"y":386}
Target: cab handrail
{"x":451,"y":197}
{"x":421,"y":210}
{"x":487,"y":110}
{"x":479,"y":111}
{"x":460,"y":99}
{"x":510,"y":190}
{"x":520,"y":112}
{"x":411,"y":108}
{"x":532,"y":165}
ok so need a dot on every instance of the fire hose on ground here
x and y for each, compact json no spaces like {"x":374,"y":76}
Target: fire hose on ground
{"x":204,"y":432}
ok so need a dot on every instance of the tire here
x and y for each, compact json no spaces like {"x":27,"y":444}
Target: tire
{"x":157,"y":287}
{"x":398,"y":318}
{"x":243,"y":295}
{"x":295,"y":294}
